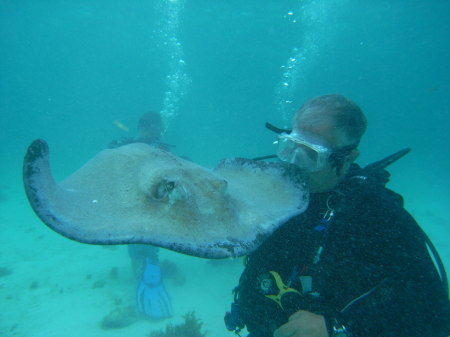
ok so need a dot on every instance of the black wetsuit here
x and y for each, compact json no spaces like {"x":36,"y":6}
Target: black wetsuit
{"x":374,"y":274}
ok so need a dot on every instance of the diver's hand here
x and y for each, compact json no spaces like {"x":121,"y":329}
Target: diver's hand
{"x":303,"y":324}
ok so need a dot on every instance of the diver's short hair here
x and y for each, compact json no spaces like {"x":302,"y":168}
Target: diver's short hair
{"x":347,"y":115}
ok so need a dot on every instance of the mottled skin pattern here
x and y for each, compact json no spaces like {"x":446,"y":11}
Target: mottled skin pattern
{"x":141,"y":194}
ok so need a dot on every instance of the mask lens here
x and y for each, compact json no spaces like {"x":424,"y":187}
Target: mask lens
{"x":308,"y":156}
{"x":311,"y":154}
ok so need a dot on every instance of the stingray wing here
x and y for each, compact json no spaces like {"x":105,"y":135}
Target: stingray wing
{"x":140,"y":194}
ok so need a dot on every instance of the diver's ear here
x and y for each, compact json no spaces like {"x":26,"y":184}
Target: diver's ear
{"x":346,"y":163}
{"x":352,"y":156}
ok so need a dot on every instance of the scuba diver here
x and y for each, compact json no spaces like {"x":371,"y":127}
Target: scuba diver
{"x":149,"y":131}
{"x":355,"y":263}
{"x":152,"y":299}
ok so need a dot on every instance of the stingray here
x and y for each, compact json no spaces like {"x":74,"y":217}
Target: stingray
{"x":141,"y":194}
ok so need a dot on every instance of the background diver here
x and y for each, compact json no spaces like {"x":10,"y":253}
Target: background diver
{"x":152,"y":298}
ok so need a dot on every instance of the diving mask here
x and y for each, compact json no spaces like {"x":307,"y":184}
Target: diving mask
{"x":295,"y":149}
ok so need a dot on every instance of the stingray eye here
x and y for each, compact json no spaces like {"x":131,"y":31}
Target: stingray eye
{"x":170,"y":185}
{"x":163,"y":189}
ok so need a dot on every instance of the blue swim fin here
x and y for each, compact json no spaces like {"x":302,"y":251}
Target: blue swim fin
{"x":151,"y":295}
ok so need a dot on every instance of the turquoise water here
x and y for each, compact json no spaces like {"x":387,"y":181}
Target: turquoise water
{"x":217,"y":70}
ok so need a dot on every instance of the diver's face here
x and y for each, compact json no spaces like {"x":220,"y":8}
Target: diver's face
{"x":150,"y":131}
{"x":318,"y":125}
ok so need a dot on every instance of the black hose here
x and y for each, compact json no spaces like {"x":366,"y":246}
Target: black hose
{"x":270,"y":156}
{"x":385,"y":162}
{"x":438,"y":261}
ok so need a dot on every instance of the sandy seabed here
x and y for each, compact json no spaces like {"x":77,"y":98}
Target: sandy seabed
{"x":51,"y":286}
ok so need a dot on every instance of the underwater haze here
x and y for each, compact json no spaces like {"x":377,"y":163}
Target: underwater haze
{"x":79,"y":74}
